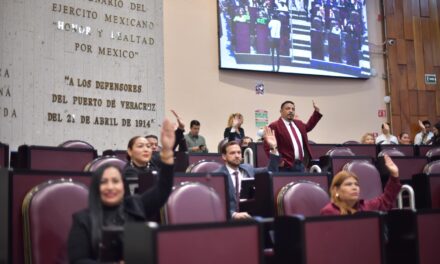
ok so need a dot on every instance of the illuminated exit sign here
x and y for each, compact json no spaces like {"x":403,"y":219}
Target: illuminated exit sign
{"x":430,"y":79}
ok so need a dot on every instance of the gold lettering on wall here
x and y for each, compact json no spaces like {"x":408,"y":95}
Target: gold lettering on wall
{"x":125,"y":30}
{"x":6,"y":108}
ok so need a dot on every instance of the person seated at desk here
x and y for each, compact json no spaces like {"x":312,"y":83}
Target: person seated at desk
{"x":141,"y":161}
{"x":435,"y":140}
{"x":195,"y":141}
{"x":386,"y":137}
{"x":404,"y":139}
{"x":345,"y":191}
{"x":236,"y":171}
{"x":110,"y":205}
{"x":425,"y":135}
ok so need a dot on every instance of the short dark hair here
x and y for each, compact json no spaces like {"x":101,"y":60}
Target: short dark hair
{"x":388,"y":123}
{"x":230,"y":143}
{"x":194,"y":123}
{"x":248,"y":138}
{"x":151,"y":136}
{"x":286,"y":102}
{"x":426,"y":122}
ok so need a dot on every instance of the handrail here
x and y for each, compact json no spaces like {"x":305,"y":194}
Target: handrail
{"x":315,"y":168}
{"x":412,"y":201}
{"x":249,"y":156}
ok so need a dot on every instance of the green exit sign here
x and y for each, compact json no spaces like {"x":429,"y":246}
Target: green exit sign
{"x":430,"y":79}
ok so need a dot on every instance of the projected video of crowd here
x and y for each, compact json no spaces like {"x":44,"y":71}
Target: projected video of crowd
{"x":321,"y":37}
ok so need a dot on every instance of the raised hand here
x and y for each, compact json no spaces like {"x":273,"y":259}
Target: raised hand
{"x":392,"y":167}
{"x":386,"y":127}
{"x":269,"y":137}
{"x":167,"y":137}
{"x":236,"y":122}
{"x":422,"y":126}
{"x":315,"y":106}
{"x":179,"y":120}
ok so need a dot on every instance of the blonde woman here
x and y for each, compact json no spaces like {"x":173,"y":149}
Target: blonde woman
{"x":368,"y":138}
{"x":234,"y":131}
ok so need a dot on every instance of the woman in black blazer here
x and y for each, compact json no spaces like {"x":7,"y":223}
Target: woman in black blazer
{"x":111,"y":205}
{"x":234,"y":131}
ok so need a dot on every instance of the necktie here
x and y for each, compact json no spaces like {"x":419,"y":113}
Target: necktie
{"x":237,"y":189}
{"x":297,"y":141}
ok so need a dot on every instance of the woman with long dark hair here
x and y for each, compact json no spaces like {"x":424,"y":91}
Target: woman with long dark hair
{"x":345,"y":192}
{"x":111,"y":205}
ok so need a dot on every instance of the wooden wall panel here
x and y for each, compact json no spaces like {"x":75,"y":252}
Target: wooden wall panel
{"x":389,"y":8}
{"x":433,"y":12}
{"x":395,"y":21}
{"x":396,"y":125}
{"x":403,"y":94}
{"x":424,"y":8}
{"x":413,"y":103}
{"x":394,"y":79}
{"x":408,"y":19}
{"x":431,"y":104}
{"x":415,"y":8}
{"x":401,"y":51}
{"x":437,"y":100}
{"x":422,"y":103}
{"x":427,"y":45}
{"x":437,"y":72}
{"x":418,"y":52}
{"x":411,"y":65}
{"x":435,"y":31}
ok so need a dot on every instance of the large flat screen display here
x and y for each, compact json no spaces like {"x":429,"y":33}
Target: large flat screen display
{"x":321,"y":37}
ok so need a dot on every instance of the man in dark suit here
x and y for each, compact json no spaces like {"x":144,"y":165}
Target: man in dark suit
{"x":231,"y":154}
{"x":291,"y":135}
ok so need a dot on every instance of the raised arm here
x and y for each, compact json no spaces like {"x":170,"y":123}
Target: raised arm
{"x":154,"y":198}
{"x":313,"y":120}
{"x":180,"y":138}
{"x":386,"y":200}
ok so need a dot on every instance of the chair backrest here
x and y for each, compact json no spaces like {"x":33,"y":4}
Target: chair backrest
{"x":434,"y":152}
{"x":121,"y":154}
{"x":392,"y":152}
{"x":351,"y":142}
{"x":216,"y":180}
{"x":76,"y":144}
{"x":221,"y":144}
{"x":204,"y":166}
{"x":194,"y":157}
{"x":305,"y":198}
{"x":47,"y":216}
{"x":340,"y":151}
{"x":105,"y":160}
{"x":193,"y":202}
{"x":369,"y":178}
{"x":432,"y":168}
